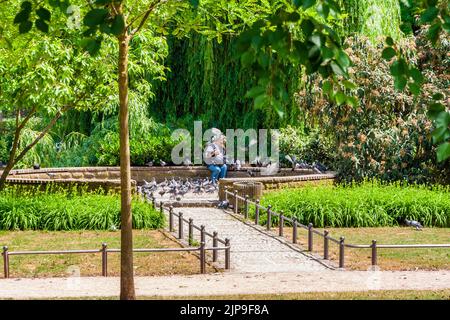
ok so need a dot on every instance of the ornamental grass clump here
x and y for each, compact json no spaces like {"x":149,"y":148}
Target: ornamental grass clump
{"x":368,"y":204}
{"x":70,"y":210}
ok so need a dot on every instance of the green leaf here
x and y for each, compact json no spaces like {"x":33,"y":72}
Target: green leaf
{"x":247,"y":58}
{"x":25,"y":26}
{"x":41,"y":25}
{"x":308,"y":3}
{"x":307,"y":28}
{"x":327,"y":87}
{"x":414,"y":88}
{"x":103,"y":2}
{"x":336,"y":69}
{"x":194,"y":3}
{"x":443,"y":151}
{"x":349,"y":85}
{"x":343,"y":59}
{"x":26,"y":5}
{"x":389,"y":41}
{"x":438,"y":134}
{"x":118,"y":25}
{"x":92,"y":46}
{"x":433,"y":32}
{"x":388,"y":53}
{"x":95,"y":17}
{"x":352,"y":101}
{"x":44,"y":14}
{"x":340,"y":97}
{"x":400,"y":83}
{"x":429,"y":15}
{"x":254,"y":92}
{"x":434,"y":109}
{"x":416,"y":75}
{"x":261,"y":101}
{"x":22,"y":16}
{"x":438,"y":96}
{"x":442,"y":119}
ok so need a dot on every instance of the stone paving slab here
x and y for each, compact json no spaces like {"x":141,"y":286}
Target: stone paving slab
{"x":251,"y":250}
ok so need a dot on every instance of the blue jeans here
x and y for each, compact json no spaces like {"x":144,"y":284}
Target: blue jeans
{"x":217,"y":171}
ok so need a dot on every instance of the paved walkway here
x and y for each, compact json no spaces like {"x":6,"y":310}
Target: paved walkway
{"x":251,"y":250}
{"x":228,"y":284}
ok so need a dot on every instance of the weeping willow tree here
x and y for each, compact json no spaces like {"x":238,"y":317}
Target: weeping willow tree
{"x":372,"y":18}
{"x":206,"y":83}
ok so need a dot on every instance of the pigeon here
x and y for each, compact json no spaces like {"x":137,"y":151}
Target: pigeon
{"x":113,"y":227}
{"x":223,"y":204}
{"x":237,"y":165}
{"x":162,"y":163}
{"x":320,"y":166}
{"x":413,"y":223}
{"x":36,"y":166}
{"x":187,"y":162}
{"x":149,"y":164}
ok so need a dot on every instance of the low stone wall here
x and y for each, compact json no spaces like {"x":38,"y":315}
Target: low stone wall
{"x":109,"y":177}
{"x":278,"y":182}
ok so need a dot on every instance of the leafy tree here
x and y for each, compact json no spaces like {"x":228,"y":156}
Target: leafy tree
{"x":118,"y":23}
{"x":43,"y":76}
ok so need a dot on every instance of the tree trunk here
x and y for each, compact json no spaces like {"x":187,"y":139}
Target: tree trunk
{"x":126,"y":256}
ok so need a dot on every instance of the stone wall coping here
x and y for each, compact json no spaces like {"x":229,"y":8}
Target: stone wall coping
{"x":292,"y":178}
{"x":155,"y":168}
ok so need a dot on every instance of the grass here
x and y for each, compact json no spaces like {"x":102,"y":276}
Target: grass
{"x":369,"y":204}
{"x":70,"y":210}
{"x":145,"y":264}
{"x":352,"y":295}
{"x":388,"y":259}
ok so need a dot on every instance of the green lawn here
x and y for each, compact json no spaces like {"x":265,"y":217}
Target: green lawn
{"x":145,"y":264}
{"x":388,"y":259}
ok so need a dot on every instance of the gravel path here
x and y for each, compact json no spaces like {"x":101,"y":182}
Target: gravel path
{"x":251,"y":250}
{"x":228,"y":283}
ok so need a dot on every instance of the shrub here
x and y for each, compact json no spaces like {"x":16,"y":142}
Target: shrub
{"x":66,"y":210}
{"x":370,"y":204}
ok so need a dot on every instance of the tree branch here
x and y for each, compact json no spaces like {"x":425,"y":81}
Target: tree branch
{"x":42,"y":134}
{"x":144,"y":19}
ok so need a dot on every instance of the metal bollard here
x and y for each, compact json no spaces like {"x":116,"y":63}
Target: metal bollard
{"x":294,"y":230}
{"x":202,"y":234}
{"x":257,"y":211}
{"x":202,"y":258}
{"x":236,"y":210}
{"x":5,"y":261}
{"x":310,"y":237}
{"x":191,"y":231}
{"x":104,"y":259}
{"x":246,"y":207}
{"x":269,"y":217}
{"x":281,"y":224}
{"x":215,"y":245}
{"x":180,"y":225}
{"x":374,"y":253}
{"x":341,"y":252}
{"x":325,"y":245}
{"x":171,"y":218}
{"x":227,"y":254}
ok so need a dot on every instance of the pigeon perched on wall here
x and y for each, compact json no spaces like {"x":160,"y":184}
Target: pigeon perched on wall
{"x":187,"y":162}
{"x":149,"y":164}
{"x":36,"y":166}
{"x":162,"y":163}
{"x":414,"y":224}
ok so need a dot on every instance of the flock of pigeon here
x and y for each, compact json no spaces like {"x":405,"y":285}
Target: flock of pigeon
{"x":177,"y":188}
